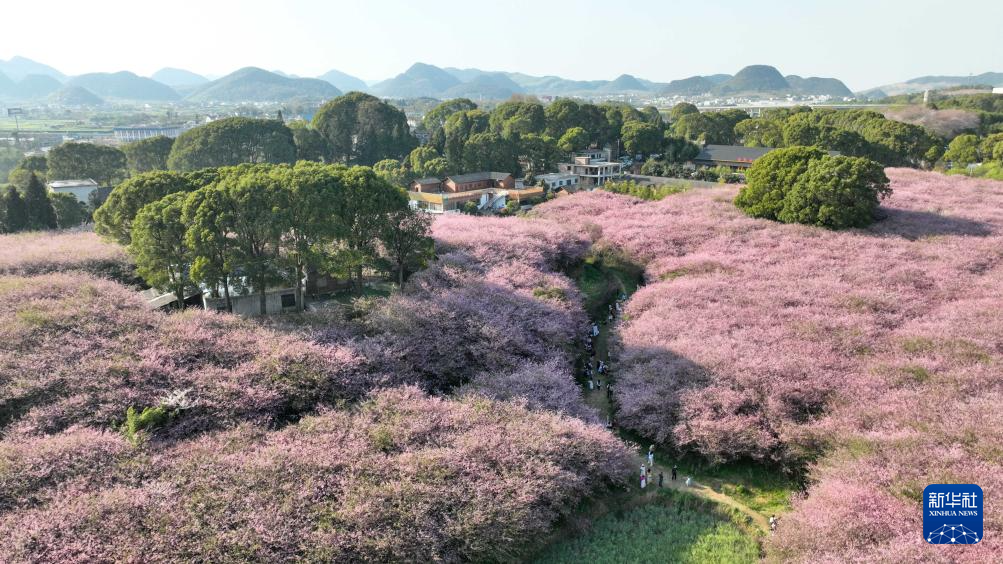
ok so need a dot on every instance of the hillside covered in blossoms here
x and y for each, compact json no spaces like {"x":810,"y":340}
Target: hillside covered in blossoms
{"x":867,"y":359}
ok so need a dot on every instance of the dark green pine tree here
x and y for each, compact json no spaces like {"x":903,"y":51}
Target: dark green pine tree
{"x":16,"y":218}
{"x":41,"y":214}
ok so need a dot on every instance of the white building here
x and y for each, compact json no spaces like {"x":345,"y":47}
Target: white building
{"x":594,"y":167}
{"x":556,"y":180}
{"x":998,"y":90}
{"x":82,"y":189}
{"x":130,"y":134}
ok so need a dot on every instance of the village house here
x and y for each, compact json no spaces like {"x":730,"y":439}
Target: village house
{"x":82,"y":189}
{"x":559,"y":181}
{"x":488,"y":190}
{"x":593,"y":168}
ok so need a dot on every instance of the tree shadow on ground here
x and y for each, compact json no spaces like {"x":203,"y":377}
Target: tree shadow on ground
{"x":914,"y":225}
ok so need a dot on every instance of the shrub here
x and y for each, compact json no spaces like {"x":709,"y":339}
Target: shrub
{"x":805,"y":185}
{"x":770,"y":179}
{"x":836,"y":193}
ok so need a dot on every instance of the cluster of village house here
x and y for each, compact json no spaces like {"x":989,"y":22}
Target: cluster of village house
{"x":587,"y":170}
{"x":493,"y":190}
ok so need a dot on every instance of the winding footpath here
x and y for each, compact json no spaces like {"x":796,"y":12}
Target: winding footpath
{"x":598,"y":399}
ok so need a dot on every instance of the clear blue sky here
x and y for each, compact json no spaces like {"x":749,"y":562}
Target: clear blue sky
{"x":863,"y":42}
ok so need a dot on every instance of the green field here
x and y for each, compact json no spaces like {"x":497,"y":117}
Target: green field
{"x":7,"y":124}
{"x":674,"y":527}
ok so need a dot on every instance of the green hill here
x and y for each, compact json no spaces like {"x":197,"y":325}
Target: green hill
{"x":494,"y":86}
{"x":754,"y":79}
{"x":75,"y":96}
{"x":623,"y":83}
{"x":816,"y":86}
{"x":125,"y":85}
{"x":692,"y":86}
{"x":251,"y":84}
{"x":343,"y":81}
{"x":36,"y":86}
{"x":417,"y":81}
{"x":19,"y":67}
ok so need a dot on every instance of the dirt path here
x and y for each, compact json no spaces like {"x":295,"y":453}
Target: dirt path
{"x":598,"y":399}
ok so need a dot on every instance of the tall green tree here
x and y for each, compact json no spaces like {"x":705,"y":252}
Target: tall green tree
{"x":491,"y":152}
{"x":642,"y":138}
{"x":515,"y":118}
{"x":574,"y":139}
{"x":963,"y":150}
{"x":163,"y":258}
{"x":311,"y":194}
{"x":682,"y":109}
{"x":41,"y":214}
{"x":15,"y":212}
{"x":72,"y":161}
{"x":148,"y":154}
{"x":363,"y":129}
{"x":407,"y":240}
{"x":253,"y":202}
{"x":310,"y":144}
{"x":459,"y":128}
{"x":207,"y":214}
{"x":233,"y":141}
{"x":360,"y":218}
{"x":70,"y":212}
{"x":114,"y":218}
{"x":541,"y":152}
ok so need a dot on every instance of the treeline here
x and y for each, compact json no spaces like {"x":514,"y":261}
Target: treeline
{"x":252,"y":226}
{"x":856,"y":133}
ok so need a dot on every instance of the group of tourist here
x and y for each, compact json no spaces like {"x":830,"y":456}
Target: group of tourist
{"x":646,"y":472}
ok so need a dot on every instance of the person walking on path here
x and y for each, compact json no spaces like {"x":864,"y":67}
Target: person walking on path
{"x":651,"y":458}
{"x":674,"y":467}
{"x":661,"y":478}
{"x":689,"y":482}
{"x":644,"y":476}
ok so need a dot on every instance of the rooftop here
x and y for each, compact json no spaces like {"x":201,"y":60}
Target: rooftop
{"x":731,"y":153}
{"x":476,"y":176}
{"x":86,"y":182}
{"x":429,"y":180}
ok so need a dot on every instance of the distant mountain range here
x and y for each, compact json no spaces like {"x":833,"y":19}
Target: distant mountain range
{"x":24,"y":80}
{"x":423,"y":80}
{"x":923,"y":83}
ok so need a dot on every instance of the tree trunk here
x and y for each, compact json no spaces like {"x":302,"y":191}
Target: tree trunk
{"x":226,"y":293}
{"x":358,"y":279}
{"x":179,"y":292}
{"x":400,"y":275}
{"x":300,"y":305}
{"x":262,"y":296}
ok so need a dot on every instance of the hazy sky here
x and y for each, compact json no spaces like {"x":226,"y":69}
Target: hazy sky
{"x":863,"y":42}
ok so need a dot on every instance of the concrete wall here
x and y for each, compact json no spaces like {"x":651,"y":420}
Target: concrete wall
{"x":248,"y":306}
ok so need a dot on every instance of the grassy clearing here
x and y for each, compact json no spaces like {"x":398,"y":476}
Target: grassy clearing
{"x":763,"y":489}
{"x":674,"y":527}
